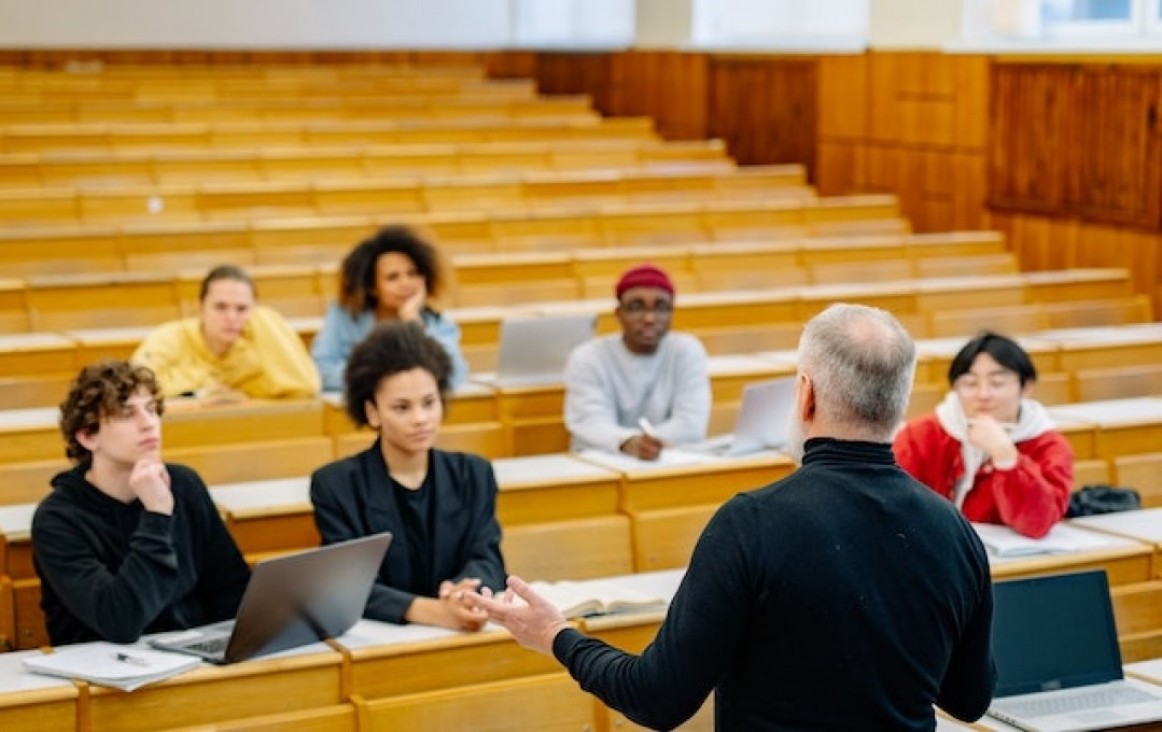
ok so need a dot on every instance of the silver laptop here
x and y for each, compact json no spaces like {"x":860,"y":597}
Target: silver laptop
{"x":291,"y":601}
{"x":534,"y":351}
{"x":762,"y":422}
{"x":1059,"y":668}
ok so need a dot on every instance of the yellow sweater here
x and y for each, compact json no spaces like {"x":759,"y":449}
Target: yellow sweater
{"x":269,"y":361}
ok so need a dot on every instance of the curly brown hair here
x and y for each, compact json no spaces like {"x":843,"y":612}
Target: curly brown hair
{"x":98,"y":391}
{"x":389,"y":349}
{"x":358,"y":272}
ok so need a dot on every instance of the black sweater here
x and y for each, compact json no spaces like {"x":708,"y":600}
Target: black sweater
{"x":846,"y":596}
{"x":113,"y":571}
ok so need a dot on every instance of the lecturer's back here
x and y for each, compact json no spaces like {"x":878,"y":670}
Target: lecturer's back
{"x":846,"y":596}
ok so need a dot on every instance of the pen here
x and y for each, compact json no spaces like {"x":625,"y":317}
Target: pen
{"x":647,"y":428}
{"x":136,"y":661}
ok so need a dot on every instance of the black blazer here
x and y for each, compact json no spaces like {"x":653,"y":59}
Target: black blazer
{"x":353,"y":497}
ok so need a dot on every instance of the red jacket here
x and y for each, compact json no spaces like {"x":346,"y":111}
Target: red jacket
{"x":1030,"y":497}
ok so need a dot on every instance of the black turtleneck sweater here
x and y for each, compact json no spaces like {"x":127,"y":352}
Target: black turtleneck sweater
{"x":846,"y":596}
{"x":113,"y":571}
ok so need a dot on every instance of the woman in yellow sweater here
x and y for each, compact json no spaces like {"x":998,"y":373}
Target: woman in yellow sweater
{"x":234,"y":348}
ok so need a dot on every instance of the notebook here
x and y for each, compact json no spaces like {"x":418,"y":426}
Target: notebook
{"x":291,"y":601}
{"x":763,"y":420}
{"x":1059,"y":668}
{"x":533,"y":351}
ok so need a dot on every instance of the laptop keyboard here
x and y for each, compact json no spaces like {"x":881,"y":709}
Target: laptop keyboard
{"x":1075,"y":702}
{"x":210,"y":645}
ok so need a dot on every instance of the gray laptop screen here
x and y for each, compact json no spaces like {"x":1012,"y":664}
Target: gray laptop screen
{"x":1054,"y":632}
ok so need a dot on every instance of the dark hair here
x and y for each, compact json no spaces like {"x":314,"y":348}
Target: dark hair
{"x":98,"y":391}
{"x":391,"y":348}
{"x":1004,"y":351}
{"x":225,"y":272}
{"x":358,"y":271}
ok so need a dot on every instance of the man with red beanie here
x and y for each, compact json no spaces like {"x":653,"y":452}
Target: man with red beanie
{"x":645,"y":388}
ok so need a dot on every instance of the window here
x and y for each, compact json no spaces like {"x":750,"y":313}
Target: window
{"x":1090,"y":18}
{"x":1105,"y":24}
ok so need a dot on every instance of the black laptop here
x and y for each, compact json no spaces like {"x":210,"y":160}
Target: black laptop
{"x":1059,"y":668}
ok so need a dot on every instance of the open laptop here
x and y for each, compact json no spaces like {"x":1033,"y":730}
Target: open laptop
{"x":534,"y":351}
{"x":1059,"y":668}
{"x":291,"y":601}
{"x":763,"y":420}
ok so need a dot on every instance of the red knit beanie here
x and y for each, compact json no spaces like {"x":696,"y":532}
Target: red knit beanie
{"x":644,"y":275}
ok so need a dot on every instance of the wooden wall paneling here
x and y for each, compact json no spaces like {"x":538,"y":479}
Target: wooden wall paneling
{"x":971,"y":120}
{"x":840,"y":167}
{"x":765,"y":109}
{"x":576,"y":73}
{"x":1119,"y":153}
{"x":1034,"y":138}
{"x":842,"y":97}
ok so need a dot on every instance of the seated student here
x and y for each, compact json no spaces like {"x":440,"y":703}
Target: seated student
{"x":126,"y":544}
{"x":232,"y":349}
{"x":388,"y":277}
{"x":440,"y":506}
{"x":989,"y":448}
{"x":645,"y":374}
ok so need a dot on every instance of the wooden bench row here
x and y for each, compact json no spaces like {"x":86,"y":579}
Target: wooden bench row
{"x":142,"y":247}
{"x":506,"y":279}
{"x":499,"y":421}
{"x":34,"y":366}
{"x":331,"y":193}
{"x":47,"y":140}
{"x":22,"y":91}
{"x":317,"y":108}
{"x":99,"y":75}
{"x":101,"y":174}
{"x":562,"y":519}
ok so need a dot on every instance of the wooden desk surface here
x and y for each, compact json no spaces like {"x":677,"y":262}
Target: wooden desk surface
{"x":1144,"y":526}
{"x":35,"y":702}
{"x":1124,"y":426}
{"x":303,"y":678}
{"x":1125,"y":561}
{"x":392,"y":660}
{"x":713,"y":480}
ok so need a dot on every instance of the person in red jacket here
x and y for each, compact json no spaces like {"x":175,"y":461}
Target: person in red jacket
{"x":988,"y":447}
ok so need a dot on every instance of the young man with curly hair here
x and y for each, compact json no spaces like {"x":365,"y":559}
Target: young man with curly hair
{"x":126,"y":544}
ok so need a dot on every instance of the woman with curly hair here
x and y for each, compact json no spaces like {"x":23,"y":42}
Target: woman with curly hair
{"x":439,"y":505}
{"x":389,"y":277}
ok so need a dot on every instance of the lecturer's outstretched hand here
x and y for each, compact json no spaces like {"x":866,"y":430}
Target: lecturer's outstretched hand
{"x":534,"y":623}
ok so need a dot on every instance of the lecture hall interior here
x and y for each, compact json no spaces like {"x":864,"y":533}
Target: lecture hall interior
{"x":965,"y":164}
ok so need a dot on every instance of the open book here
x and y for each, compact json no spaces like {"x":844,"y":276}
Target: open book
{"x":1001,"y":541}
{"x":108,"y":664}
{"x":575,"y":599}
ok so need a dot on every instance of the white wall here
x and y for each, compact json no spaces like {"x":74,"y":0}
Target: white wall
{"x":256,"y":23}
{"x":915,"y":23}
{"x":573,"y":23}
{"x":780,"y":23}
{"x":664,"y":23}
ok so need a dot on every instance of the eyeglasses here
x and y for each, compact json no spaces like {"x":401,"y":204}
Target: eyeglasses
{"x":638,"y":309}
{"x":969,"y":383}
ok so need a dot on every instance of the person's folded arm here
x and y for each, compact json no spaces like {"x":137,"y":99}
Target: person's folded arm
{"x":116,"y":605}
{"x":1033,"y":495}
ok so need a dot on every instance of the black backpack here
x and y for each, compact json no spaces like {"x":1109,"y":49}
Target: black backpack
{"x":1096,"y":499}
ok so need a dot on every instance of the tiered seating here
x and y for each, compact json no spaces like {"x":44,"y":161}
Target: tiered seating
{"x":749,"y":274}
{"x":649,"y":172}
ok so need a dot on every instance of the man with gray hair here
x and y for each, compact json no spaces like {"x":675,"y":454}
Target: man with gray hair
{"x":845,"y":596}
